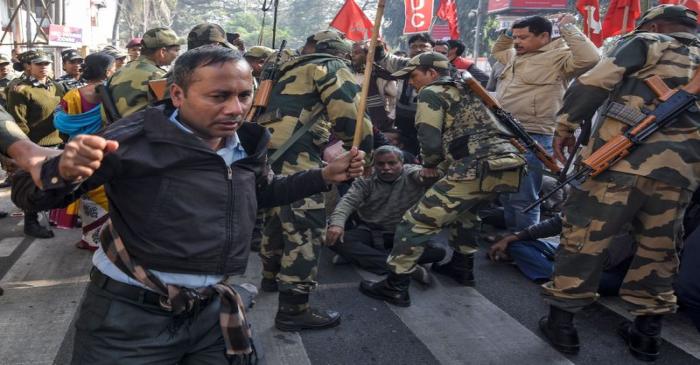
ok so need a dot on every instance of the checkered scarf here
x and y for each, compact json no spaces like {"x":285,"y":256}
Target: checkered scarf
{"x":181,"y":300}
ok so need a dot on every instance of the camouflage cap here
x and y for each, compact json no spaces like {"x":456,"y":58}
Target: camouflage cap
{"x":114,"y":52}
{"x":259,"y":52}
{"x":4,"y":59}
{"x":70,"y":55}
{"x":134,"y":42}
{"x":161,"y":37}
{"x":327,"y":35}
{"x":39,"y":57}
{"x":337,"y":45}
{"x":677,"y":13}
{"x":432,"y":59}
{"x":207,"y":33}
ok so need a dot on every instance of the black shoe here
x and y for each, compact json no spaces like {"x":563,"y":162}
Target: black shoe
{"x":643,"y":337}
{"x":460,"y":268}
{"x":5,"y":184}
{"x":559,"y":330}
{"x":310,"y":319}
{"x":422,"y":275}
{"x":3,"y":215}
{"x":2,"y":291}
{"x":33,"y":228}
{"x":268,"y":285}
{"x":393,"y":289}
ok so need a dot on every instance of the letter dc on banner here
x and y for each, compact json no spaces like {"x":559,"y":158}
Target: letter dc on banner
{"x":419,"y":16}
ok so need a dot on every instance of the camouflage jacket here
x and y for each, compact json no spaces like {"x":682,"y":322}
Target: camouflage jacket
{"x":306,"y":84}
{"x":671,"y":155}
{"x":455,"y":126}
{"x":32,"y":104}
{"x":129,"y":85}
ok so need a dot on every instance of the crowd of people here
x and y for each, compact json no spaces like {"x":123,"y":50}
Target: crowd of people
{"x":173,"y":182}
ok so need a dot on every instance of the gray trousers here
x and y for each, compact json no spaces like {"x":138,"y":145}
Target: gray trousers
{"x":116,"y":330}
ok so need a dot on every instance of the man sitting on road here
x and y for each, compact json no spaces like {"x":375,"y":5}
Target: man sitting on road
{"x":380,"y":201}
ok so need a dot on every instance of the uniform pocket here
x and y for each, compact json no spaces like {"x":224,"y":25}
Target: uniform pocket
{"x":501,"y":174}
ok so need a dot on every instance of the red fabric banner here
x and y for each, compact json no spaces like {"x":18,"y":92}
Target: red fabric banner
{"x":690,"y":4}
{"x":448,"y":12}
{"x":592,"y":28}
{"x":418,"y":16}
{"x":612,"y":24}
{"x":352,"y":21}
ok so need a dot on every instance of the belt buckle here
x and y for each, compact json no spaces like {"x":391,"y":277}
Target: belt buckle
{"x":165,"y":304}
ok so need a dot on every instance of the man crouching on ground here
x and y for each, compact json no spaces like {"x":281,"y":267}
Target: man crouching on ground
{"x":184,"y":183}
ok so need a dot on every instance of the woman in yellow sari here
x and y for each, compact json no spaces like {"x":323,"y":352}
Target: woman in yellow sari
{"x":79,"y":113}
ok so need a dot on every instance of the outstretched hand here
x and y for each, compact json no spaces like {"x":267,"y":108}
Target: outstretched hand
{"x":347,"y":165}
{"x":83,"y":155}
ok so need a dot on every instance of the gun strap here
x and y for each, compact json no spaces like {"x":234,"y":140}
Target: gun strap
{"x":315,"y":116}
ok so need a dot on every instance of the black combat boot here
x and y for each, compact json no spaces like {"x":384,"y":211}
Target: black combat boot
{"x":559,"y":329}
{"x":643,"y":336}
{"x":294,"y":314}
{"x":268,"y":285}
{"x":460,"y":268}
{"x":33,"y":228}
{"x":393,"y":289}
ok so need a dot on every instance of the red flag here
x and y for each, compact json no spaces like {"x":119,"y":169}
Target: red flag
{"x":612,"y":24}
{"x":352,"y":21}
{"x":448,"y":12}
{"x":418,"y":15}
{"x":592,"y":28}
{"x":690,"y":4}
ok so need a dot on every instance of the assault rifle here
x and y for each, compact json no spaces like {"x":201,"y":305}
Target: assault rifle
{"x":522,"y":141}
{"x":673,"y":103}
{"x":262,"y":94}
{"x":110,"y":109}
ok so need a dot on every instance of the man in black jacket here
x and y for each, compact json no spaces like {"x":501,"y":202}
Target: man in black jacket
{"x":183,"y":184}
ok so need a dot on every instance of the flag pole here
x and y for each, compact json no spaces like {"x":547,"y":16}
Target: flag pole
{"x":368,"y":75}
{"x":625,"y":16}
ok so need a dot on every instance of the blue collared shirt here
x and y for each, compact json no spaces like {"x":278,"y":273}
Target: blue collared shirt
{"x":231,"y":152}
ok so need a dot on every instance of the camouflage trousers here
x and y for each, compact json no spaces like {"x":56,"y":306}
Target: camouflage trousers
{"x":291,"y":242}
{"x":596,"y":213}
{"x":451,"y":204}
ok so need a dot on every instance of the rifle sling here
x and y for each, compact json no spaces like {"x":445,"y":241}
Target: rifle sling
{"x":297,"y":134}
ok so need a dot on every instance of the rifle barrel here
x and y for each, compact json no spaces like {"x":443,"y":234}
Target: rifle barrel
{"x":568,"y":180}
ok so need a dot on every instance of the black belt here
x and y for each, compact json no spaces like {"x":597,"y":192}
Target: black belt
{"x":126,"y":291}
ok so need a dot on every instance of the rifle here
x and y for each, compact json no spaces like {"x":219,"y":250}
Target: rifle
{"x":262,"y":94}
{"x":522,"y":141}
{"x":107,"y":103}
{"x":674,"y":102}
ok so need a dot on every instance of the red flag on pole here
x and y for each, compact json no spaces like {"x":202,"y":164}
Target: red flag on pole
{"x":352,"y":21}
{"x":592,"y":28}
{"x":618,"y":12}
{"x":418,"y":15}
{"x":690,"y":4}
{"x":448,"y":12}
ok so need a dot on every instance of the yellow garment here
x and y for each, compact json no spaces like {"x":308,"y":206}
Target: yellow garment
{"x":74,"y":106}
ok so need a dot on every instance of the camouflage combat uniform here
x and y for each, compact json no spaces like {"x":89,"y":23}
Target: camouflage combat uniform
{"x":293,"y":234}
{"x":455,"y":131}
{"x":129,"y":86}
{"x":648,"y":189}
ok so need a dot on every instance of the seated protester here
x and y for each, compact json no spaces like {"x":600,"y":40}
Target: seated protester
{"x":394,"y":137}
{"x":687,"y":285}
{"x":380,"y":200}
{"x":79,"y":113}
{"x":534,"y":255}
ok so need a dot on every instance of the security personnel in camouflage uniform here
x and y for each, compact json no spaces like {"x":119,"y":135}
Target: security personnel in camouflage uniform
{"x":128,"y":87}
{"x":31,"y":103}
{"x":457,"y":133}
{"x":118,"y":55}
{"x":6,"y":75}
{"x":293,"y":234}
{"x":647,"y":190}
{"x":208,"y":33}
{"x":256,"y":56}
